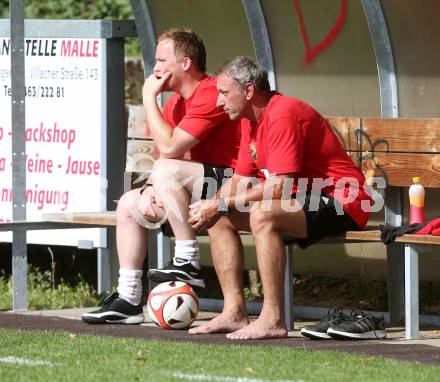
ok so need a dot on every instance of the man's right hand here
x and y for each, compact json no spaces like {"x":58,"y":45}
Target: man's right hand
{"x":204,"y":214}
{"x":153,"y":85}
{"x":146,"y":202}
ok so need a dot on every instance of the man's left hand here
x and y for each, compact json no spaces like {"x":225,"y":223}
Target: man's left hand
{"x":204,"y":214}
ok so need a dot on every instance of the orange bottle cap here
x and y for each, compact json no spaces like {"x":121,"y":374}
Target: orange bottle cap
{"x":416,"y":179}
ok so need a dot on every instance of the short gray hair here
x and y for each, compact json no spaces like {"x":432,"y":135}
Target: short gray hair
{"x":246,"y":70}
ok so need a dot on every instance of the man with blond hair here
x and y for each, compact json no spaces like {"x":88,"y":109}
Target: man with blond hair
{"x":190,"y":121}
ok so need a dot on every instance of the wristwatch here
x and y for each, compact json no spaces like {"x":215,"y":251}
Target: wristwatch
{"x":145,"y":186}
{"x":223,"y":208}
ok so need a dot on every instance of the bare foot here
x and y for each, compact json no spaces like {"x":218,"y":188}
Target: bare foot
{"x":259,"y":329}
{"x":223,"y":323}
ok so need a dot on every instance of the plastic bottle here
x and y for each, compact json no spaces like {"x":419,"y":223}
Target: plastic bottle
{"x":416,"y":202}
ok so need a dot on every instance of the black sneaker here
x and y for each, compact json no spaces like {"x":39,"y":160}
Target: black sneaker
{"x":177,"y":270}
{"x":360,"y":326}
{"x":115,"y":310}
{"x":319,"y":331}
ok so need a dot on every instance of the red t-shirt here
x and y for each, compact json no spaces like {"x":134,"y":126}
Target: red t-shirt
{"x":292,"y":137}
{"x":199,"y":116}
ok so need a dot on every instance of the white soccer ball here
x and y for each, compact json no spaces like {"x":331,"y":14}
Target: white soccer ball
{"x":173,"y":305}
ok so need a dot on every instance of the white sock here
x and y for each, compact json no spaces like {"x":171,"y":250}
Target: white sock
{"x":188,"y":250}
{"x":130,"y":285}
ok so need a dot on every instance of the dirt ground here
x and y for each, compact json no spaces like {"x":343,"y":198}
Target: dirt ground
{"x":425,"y":351}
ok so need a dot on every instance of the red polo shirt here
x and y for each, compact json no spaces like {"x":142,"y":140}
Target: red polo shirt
{"x":292,"y":137}
{"x":200,"y":117}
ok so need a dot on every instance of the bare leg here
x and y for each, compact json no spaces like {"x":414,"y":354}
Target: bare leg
{"x":173,"y":181}
{"x":227,"y":255}
{"x":271,"y":263}
{"x":131,"y":236}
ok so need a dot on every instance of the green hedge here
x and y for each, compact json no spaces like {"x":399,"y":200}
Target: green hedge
{"x":72,"y":9}
{"x":78,"y":9}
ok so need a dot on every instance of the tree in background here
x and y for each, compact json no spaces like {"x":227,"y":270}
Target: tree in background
{"x":78,"y":9}
{"x":72,"y":9}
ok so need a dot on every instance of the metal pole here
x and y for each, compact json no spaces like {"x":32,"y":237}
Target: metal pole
{"x":260,"y":37}
{"x":411,"y":292}
{"x":389,"y":97}
{"x":116,"y":154}
{"x":158,"y":244}
{"x":19,"y":248}
{"x":389,"y":103}
{"x":145,"y":30}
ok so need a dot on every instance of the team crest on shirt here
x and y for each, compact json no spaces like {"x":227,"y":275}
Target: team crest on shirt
{"x":253,"y":149}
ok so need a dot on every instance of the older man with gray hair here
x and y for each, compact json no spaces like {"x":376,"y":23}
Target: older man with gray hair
{"x":307,"y":188}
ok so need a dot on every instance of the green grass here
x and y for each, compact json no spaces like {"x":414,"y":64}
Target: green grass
{"x":44,"y":293}
{"x":88,"y":358}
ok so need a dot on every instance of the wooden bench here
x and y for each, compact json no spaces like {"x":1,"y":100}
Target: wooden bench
{"x":395,"y":149}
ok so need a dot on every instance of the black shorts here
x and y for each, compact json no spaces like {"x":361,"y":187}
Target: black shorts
{"x":213,"y":176}
{"x":322,"y":220}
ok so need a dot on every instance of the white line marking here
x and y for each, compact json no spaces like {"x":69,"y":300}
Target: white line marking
{"x":23,"y":361}
{"x":218,"y":378}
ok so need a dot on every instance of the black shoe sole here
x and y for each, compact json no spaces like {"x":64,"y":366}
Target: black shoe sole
{"x":372,"y":335}
{"x":94,"y":320}
{"x":315,"y":335}
{"x":159,"y":277}
{"x":102,"y":321}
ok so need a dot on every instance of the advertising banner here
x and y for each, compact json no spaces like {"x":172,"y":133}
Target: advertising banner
{"x":65,"y":134}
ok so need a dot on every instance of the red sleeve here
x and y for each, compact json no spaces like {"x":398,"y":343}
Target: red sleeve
{"x":167,"y":109}
{"x":203,"y":115}
{"x":285,"y":146}
{"x":245,"y":164}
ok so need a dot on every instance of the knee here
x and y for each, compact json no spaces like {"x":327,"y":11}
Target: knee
{"x":222,"y":225}
{"x":126,"y":205}
{"x":164,"y":170}
{"x":261,"y":220}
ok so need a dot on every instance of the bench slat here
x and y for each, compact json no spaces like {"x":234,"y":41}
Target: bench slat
{"x":137,"y":122}
{"x":399,"y":168}
{"x":108,"y":218}
{"x":141,"y":155}
{"x":105,"y":218}
{"x":368,"y":235}
{"x":419,"y":239}
{"x":374,"y":235}
{"x":344,"y":128}
{"x":401,"y":135}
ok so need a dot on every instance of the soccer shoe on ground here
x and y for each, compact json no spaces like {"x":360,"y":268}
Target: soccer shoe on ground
{"x":360,"y":326}
{"x":115,"y":310}
{"x":319,"y":331}
{"x":177,"y":270}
